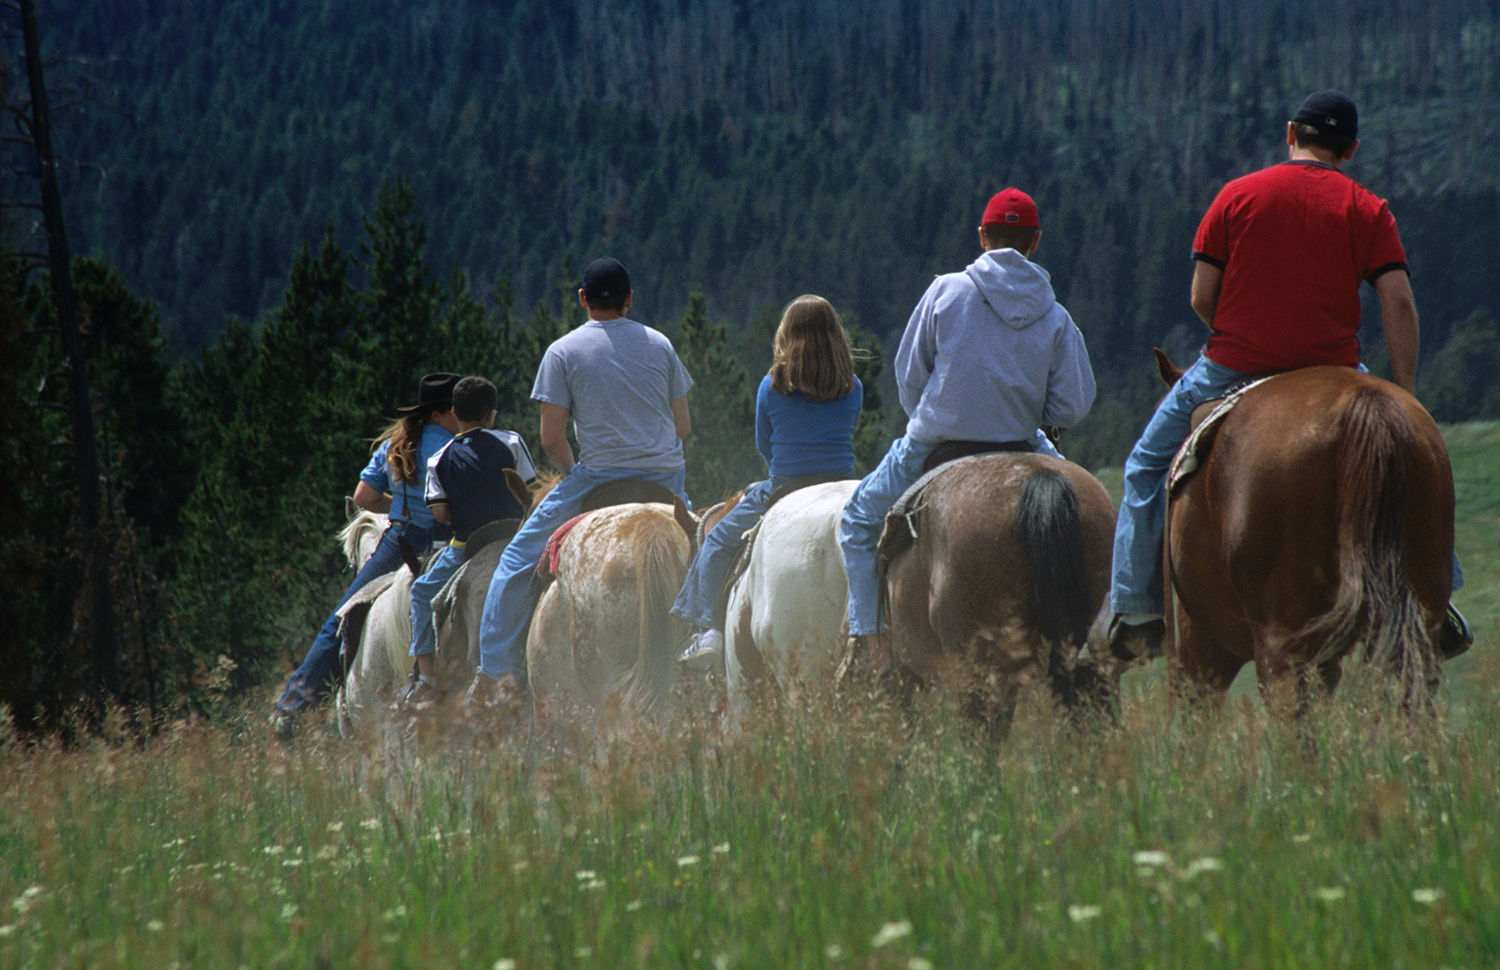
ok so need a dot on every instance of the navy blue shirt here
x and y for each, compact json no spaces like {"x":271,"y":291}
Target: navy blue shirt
{"x":468,"y":476}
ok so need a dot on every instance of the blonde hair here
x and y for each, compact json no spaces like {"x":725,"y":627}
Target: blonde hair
{"x":401,"y":458}
{"x":812,"y":352}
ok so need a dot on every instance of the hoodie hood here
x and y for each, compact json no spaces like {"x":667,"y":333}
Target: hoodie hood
{"x":1018,"y":290}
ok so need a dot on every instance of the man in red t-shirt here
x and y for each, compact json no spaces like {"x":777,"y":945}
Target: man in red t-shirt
{"x":1280,"y":256}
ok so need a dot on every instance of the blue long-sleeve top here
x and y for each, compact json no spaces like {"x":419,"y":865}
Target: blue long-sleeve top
{"x":799,"y":436}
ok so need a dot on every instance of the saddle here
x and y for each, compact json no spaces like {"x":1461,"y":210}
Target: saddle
{"x":500,"y":530}
{"x":352,"y":616}
{"x":1204,"y":424}
{"x":624,"y":490}
{"x":947,"y":451}
{"x":741,"y":560}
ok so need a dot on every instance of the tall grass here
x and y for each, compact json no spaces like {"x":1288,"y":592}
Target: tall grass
{"x":842,"y":835}
{"x":839,"y":836}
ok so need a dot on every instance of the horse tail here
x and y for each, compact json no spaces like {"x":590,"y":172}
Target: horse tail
{"x":1375,"y":608}
{"x":1052,"y":537}
{"x":658,"y":580}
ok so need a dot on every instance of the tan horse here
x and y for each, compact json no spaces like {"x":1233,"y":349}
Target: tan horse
{"x":602,"y":641}
{"x":1319,"y":526}
{"x":995,"y":578}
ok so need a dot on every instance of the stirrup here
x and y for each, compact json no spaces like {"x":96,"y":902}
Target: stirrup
{"x":1136,"y":642}
{"x":1456,"y":637}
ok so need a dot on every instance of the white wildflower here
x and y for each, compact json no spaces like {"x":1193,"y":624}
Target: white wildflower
{"x":1328,"y":894}
{"x":890,"y":933}
{"x":687,"y":860}
{"x":1151,"y":857}
{"x":1080,"y":914}
{"x":1426,"y":896}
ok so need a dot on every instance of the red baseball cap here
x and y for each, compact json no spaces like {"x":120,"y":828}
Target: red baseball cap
{"x":1011,"y":207}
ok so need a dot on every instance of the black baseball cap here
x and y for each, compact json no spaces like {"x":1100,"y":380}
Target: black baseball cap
{"x":1331,"y":112}
{"x":605,"y":279}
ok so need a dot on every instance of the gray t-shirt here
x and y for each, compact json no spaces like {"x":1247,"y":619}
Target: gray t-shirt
{"x":617,"y":378}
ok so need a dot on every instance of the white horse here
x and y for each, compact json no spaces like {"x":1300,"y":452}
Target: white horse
{"x":376,"y":627}
{"x":602,"y":641}
{"x":378,"y":623}
{"x":787,"y":617}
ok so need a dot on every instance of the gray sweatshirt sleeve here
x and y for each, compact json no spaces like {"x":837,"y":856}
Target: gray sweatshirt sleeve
{"x":917,"y":354}
{"x":1070,"y":385}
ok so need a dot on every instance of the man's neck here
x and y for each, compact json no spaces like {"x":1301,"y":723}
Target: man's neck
{"x":605,"y":316}
{"x":464,"y":427}
{"x":1299,"y":153}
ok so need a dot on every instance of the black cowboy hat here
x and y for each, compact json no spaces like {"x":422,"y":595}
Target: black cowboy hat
{"x":434,"y":393}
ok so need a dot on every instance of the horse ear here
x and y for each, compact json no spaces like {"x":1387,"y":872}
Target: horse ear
{"x":1169,"y":371}
{"x":350,"y":509}
{"x":683,"y":516}
{"x":518,"y":487}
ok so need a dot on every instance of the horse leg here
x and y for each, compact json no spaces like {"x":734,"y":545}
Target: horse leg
{"x":1200,"y":670}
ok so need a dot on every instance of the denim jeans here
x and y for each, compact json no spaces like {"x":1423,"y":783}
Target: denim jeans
{"x":320,"y":672}
{"x":508,"y":605}
{"x":1136,"y":580}
{"x":423,"y":589}
{"x":864,"y":517}
{"x":706,"y":575}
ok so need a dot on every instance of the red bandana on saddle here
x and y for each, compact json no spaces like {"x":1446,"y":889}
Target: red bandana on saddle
{"x":546,"y":570}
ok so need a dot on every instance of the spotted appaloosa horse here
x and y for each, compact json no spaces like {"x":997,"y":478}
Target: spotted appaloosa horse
{"x":602,"y":641}
{"x":995,"y":578}
{"x":1318,"y":526}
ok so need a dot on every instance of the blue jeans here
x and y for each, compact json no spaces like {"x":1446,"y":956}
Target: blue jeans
{"x":706,"y":575}
{"x":423,"y":589}
{"x":319,"y":673}
{"x":508,"y":605}
{"x":1136,"y":580}
{"x":864,"y":517}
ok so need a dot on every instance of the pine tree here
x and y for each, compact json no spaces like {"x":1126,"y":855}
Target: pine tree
{"x":720,"y":453}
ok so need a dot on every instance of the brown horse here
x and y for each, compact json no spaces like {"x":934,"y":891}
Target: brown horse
{"x":1318,"y":526}
{"x":1005,"y":566}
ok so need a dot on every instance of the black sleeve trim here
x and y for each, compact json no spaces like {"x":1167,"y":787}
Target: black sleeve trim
{"x":1205,"y":258}
{"x":1381,"y":271}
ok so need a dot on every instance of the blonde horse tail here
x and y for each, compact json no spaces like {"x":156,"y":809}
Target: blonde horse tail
{"x":663,"y":564}
{"x":1376,"y":614}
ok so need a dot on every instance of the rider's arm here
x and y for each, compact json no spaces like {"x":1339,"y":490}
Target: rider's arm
{"x":1205,"y":295}
{"x":682,"y":422}
{"x":371,"y":499}
{"x":1398,"y":316}
{"x":554,"y":436}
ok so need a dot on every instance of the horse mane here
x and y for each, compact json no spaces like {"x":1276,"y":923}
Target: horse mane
{"x":353,"y":533}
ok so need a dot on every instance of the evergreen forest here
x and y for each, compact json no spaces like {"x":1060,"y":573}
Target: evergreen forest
{"x":279,"y":215}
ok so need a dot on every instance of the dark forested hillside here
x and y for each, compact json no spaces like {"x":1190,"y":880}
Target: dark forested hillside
{"x":756,"y":149}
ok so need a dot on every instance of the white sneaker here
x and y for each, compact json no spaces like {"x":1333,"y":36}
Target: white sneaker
{"x":704,"y":652}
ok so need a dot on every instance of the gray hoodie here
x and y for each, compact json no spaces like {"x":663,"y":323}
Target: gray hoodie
{"x":989,"y":355}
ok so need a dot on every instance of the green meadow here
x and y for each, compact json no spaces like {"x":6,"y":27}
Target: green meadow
{"x":836,"y":836}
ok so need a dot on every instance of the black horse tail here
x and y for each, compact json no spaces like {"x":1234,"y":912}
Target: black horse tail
{"x":1052,"y":537}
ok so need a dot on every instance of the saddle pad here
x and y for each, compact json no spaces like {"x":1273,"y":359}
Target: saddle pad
{"x":1186,"y":460}
{"x":546,"y":569}
{"x":367,"y":593}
